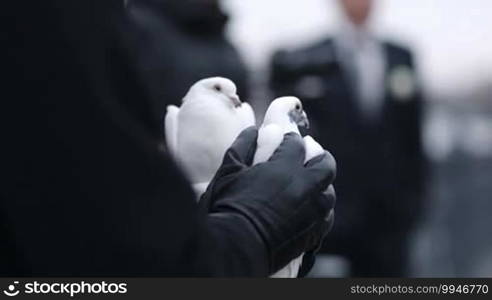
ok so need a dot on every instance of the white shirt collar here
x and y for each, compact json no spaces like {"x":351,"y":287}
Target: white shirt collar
{"x":350,"y":36}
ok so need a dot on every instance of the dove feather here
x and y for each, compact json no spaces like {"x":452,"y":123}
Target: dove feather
{"x":171,"y":128}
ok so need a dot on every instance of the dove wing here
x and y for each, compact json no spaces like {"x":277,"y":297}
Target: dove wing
{"x":171,"y":128}
{"x":269,"y":138}
{"x":291,"y":270}
{"x":247,"y":115}
{"x":312,"y":147}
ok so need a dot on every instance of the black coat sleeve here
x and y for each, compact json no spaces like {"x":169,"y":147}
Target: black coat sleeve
{"x":86,"y":189}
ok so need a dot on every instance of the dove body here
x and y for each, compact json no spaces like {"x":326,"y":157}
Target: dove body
{"x":204,"y":127}
{"x":284,"y":115}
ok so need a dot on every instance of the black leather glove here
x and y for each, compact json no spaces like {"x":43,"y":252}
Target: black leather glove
{"x":309,"y":257}
{"x":283,"y":198}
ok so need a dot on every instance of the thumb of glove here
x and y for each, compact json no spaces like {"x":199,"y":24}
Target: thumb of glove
{"x":243,"y":149}
{"x":237,"y":157}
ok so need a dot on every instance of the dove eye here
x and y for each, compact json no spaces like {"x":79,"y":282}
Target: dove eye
{"x":218,"y":88}
{"x":298,"y":107}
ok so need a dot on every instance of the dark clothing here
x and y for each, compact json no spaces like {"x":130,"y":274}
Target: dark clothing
{"x":181,"y":42}
{"x":85,"y":188}
{"x":380,"y":162}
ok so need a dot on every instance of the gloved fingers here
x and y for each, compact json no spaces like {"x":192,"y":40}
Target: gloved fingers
{"x":224,"y":175}
{"x":321,"y":169}
{"x":223,"y":178}
{"x":291,"y":151}
{"x":243,"y":149}
{"x":328,"y":198}
{"x":322,"y":230}
{"x":309,"y":257}
{"x":330,"y":219}
{"x":322,"y":203}
{"x":318,"y":207}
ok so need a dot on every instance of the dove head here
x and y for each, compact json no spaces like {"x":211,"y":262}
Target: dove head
{"x":286,"y":111}
{"x":218,"y":88}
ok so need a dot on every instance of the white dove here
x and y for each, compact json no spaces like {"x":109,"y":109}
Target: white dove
{"x":198,"y":133}
{"x":283,"y":116}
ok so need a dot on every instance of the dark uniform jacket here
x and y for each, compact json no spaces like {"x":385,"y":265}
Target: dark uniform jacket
{"x":380,"y":161}
{"x":85,"y":189}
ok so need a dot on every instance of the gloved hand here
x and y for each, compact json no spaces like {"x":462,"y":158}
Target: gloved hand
{"x":309,"y":257}
{"x":283,"y":197}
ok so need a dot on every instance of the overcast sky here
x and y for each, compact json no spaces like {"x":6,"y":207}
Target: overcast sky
{"x":451,"y":38}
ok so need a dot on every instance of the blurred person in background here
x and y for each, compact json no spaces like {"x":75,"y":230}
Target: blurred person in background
{"x":364,"y":103}
{"x":179,"y":43}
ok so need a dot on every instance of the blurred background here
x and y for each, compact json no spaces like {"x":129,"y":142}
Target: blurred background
{"x":452,"y":45}
{"x":400,"y":92}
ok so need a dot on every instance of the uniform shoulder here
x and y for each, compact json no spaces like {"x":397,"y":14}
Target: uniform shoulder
{"x":318,"y":53}
{"x":398,"y":49}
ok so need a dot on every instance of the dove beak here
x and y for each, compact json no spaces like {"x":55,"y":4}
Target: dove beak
{"x":235,"y":100}
{"x":303,"y":120}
